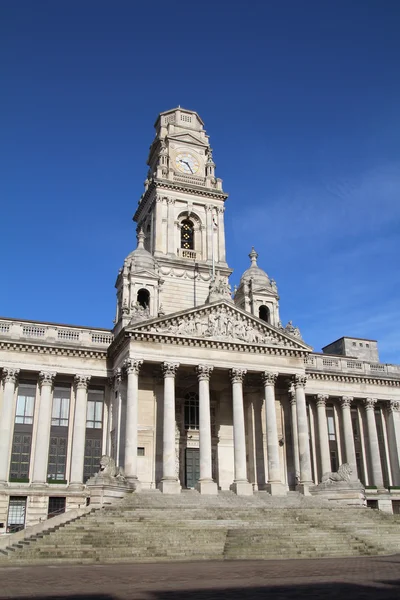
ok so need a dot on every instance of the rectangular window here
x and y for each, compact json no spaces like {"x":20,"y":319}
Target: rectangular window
{"x":56,"y":506}
{"x":25,"y":404}
{"x":57,"y":457}
{"x":334,"y":462}
{"x":92,"y":457}
{"x":61,"y":402}
{"x":16,"y":514}
{"x":140,"y":451}
{"x":331,"y":427}
{"x":94,"y":415}
{"x":20,"y":456}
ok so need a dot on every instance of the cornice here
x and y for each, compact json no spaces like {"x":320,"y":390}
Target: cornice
{"x":180,"y":187}
{"x":354,"y":379}
{"x":164,"y":338}
{"x":54,"y":350}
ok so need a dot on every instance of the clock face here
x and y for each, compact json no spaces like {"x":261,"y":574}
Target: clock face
{"x":186,"y":163}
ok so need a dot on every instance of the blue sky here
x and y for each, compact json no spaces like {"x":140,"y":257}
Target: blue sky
{"x":301,"y":100}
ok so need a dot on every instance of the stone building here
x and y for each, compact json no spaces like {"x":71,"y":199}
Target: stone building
{"x":194,"y":386}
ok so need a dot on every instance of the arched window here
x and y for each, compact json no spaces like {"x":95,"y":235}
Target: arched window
{"x":263,"y":313}
{"x":191,"y":411}
{"x":143,"y":298}
{"x":187,"y":235}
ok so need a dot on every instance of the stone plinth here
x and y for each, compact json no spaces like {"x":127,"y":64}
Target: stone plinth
{"x":207,"y":487}
{"x":347,"y":493}
{"x":106,"y":490}
{"x":242,"y":488}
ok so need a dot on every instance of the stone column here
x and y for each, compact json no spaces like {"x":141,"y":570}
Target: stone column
{"x":210,"y":231}
{"x":240,"y":485}
{"x":374,"y":454}
{"x":221,"y":234}
{"x":393,"y":430}
{"x":323,"y":434}
{"x":295,"y":437}
{"x":299,"y":382}
{"x":274,"y":485}
{"x":79,"y":432}
{"x":132,"y":368}
{"x":169,"y":483}
{"x":348,"y":436}
{"x":7,"y":416}
{"x":41,"y":456}
{"x":205,"y":485}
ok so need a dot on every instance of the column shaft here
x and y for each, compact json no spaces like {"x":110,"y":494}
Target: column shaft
{"x":169,"y":483}
{"x":79,"y":433}
{"x":323,"y":434}
{"x":302,"y":431}
{"x":296,"y":459}
{"x":240,"y":484}
{"x":206,"y":485}
{"x":41,"y":457}
{"x":132,"y":368}
{"x":393,"y":427}
{"x":348,"y":435}
{"x":274,"y":469}
{"x":376,"y":468}
{"x":10,"y":378}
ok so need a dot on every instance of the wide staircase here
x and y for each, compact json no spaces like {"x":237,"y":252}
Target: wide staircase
{"x":152,"y":527}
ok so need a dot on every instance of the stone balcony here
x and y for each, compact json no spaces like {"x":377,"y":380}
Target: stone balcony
{"x":344,"y":364}
{"x":54,"y":334}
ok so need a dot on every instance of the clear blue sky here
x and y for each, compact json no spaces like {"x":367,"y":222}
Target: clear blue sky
{"x":302,"y":102}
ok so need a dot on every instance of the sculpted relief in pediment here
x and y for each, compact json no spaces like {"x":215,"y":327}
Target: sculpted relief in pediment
{"x":221,"y":324}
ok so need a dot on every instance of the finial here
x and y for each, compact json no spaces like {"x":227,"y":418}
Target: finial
{"x":140,"y":238}
{"x":253,"y":257}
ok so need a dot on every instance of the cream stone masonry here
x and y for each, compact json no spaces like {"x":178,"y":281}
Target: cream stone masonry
{"x":195,"y":386}
{"x":132,"y":368}
{"x":9,"y":378}
{"x":323,"y":433}
{"x":78,"y":439}
{"x":39,"y":476}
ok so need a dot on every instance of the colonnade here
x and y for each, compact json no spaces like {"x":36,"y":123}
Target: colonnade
{"x":169,"y":482}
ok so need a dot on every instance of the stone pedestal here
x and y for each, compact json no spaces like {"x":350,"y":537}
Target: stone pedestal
{"x":242,"y":488}
{"x":169,"y":486}
{"x":208,"y":487}
{"x":347,"y":493}
{"x":276,"y":489}
{"x":303,"y":488}
{"x":106,"y":490}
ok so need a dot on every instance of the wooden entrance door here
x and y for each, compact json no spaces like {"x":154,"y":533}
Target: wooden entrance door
{"x":192,"y":466}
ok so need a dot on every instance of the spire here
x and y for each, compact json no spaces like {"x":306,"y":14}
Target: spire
{"x":140,"y":238}
{"x":253,"y":257}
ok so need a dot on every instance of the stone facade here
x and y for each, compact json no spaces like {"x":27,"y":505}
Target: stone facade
{"x":194,"y":386}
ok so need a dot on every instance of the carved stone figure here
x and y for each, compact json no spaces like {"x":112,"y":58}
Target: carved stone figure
{"x":139,"y":312}
{"x":291,"y":330}
{"x":219,"y":290}
{"x":108,"y":468}
{"x":342,"y":474}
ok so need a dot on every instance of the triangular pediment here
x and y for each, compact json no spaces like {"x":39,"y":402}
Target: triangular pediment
{"x":186,"y":137}
{"x":220,"y":321}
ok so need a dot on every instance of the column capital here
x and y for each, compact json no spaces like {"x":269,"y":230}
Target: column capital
{"x":82,"y":381}
{"x":370,"y":403}
{"x":169,"y":369}
{"x":132,"y":365}
{"x":46,"y":378}
{"x":321,"y":399}
{"x":269,"y":378}
{"x":299,"y":380}
{"x":237,"y":375}
{"x":204,"y":372}
{"x":9,"y":375}
{"x":346,"y":401}
{"x":393,"y":406}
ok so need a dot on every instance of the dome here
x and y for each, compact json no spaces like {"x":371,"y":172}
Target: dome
{"x":259,"y":277}
{"x":141,"y":258}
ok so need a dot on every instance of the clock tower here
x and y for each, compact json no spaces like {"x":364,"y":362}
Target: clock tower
{"x":180,"y":215}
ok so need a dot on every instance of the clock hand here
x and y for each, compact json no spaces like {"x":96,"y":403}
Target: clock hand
{"x":186,"y":163}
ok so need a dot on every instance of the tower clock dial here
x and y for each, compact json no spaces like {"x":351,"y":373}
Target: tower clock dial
{"x":186,"y":163}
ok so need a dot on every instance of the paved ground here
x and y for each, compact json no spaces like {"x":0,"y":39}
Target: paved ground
{"x":353,"y":578}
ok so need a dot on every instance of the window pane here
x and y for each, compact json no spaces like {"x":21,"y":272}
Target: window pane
{"x":90,"y":411}
{"x":99,"y":411}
